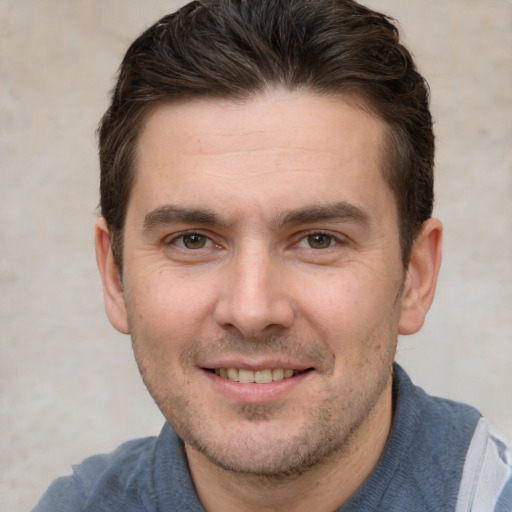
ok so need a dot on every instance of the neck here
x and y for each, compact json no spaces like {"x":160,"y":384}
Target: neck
{"x":323,"y":488}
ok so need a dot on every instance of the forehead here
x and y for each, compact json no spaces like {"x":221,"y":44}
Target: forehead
{"x":284,"y":146}
{"x":275,"y":113}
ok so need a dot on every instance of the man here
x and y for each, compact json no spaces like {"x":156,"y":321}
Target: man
{"x":266,"y":234}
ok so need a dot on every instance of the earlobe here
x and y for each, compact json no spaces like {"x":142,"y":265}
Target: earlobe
{"x":421,"y":278}
{"x":113,"y":295}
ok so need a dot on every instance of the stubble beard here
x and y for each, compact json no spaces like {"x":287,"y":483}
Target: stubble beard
{"x":271,"y":459}
{"x":326,"y":432}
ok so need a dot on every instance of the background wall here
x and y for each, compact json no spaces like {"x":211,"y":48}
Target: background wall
{"x":68,"y":385}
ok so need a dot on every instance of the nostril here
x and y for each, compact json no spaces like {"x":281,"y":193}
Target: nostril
{"x":252,"y":320}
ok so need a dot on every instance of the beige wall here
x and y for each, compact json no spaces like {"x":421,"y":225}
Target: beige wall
{"x":69,"y":387}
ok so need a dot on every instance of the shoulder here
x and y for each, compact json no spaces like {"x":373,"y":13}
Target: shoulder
{"x":449,"y":454}
{"x":121,"y":473}
{"x":486,"y":483}
{"x":422,"y":463}
{"x":442,"y":428}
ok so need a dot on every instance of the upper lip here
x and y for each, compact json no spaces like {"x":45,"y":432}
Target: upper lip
{"x":255,"y":365}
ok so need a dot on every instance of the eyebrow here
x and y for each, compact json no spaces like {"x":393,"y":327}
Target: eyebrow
{"x":171,"y":214}
{"x":340,"y":211}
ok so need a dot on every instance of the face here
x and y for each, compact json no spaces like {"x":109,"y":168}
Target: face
{"x":262,"y":281}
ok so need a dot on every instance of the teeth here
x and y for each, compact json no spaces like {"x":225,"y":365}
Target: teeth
{"x":245,"y":376}
{"x":277,"y":374}
{"x":263,"y":376}
{"x":249,"y":376}
{"x":232,"y":374}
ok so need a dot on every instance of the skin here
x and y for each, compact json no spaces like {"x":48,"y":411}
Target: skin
{"x":261,"y":234}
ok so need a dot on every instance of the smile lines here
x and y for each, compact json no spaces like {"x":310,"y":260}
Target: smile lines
{"x":259,"y":376}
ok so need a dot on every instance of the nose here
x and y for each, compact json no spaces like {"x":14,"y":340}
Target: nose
{"x":254,"y":298}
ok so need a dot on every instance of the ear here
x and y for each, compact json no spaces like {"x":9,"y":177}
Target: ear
{"x":112,"y":286}
{"x":421,"y":277}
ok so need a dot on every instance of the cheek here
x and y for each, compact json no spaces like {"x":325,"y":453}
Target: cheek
{"x":167,"y":312}
{"x":352,"y":312}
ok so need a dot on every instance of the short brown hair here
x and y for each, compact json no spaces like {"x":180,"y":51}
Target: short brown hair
{"x":238,"y":48}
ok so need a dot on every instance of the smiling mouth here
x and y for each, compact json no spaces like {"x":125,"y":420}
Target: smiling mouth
{"x":256,"y":376}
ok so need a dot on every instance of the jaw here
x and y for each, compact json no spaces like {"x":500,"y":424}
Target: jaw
{"x":271,"y":430}
{"x":282,"y":473}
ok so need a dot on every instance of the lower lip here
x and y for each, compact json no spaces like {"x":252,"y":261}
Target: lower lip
{"x":256,"y":393}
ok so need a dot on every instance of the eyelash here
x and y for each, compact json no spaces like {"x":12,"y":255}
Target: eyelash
{"x":208,"y":242}
{"x":333,"y":239}
{"x":175,"y":240}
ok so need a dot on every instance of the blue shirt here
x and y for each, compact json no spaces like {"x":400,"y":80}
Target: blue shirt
{"x":440,"y":456}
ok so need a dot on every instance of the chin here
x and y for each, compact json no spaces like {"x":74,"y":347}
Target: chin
{"x":269,"y":449}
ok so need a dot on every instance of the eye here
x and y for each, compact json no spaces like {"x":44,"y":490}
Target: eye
{"x":320,"y":240}
{"x":192,"y":241}
{"x":317,"y":240}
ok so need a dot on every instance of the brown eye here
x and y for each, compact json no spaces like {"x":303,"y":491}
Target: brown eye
{"x":319,"y":241}
{"x":194,"y":241}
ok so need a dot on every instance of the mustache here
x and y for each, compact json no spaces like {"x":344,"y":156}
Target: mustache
{"x":311,"y":352}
